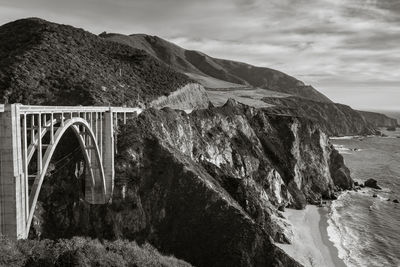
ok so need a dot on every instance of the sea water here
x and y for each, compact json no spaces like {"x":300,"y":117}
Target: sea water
{"x":366,"y":229}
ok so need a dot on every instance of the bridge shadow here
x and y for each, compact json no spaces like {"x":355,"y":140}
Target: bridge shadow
{"x":61,"y":209}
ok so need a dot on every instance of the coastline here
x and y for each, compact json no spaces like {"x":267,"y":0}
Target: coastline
{"x":311,"y":245}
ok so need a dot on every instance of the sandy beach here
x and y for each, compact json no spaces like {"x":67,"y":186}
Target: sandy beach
{"x":311,"y":245}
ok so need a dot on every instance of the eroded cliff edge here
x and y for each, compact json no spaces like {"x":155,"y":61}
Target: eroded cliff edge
{"x":206,"y":186}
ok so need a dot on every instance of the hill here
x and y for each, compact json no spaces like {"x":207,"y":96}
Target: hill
{"x":217,"y":73}
{"x":52,"y":64}
{"x":378,"y":119}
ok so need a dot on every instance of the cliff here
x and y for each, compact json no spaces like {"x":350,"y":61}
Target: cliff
{"x":378,"y":119}
{"x":203,"y":186}
{"x":226,"y":73}
{"x":334,"y":119}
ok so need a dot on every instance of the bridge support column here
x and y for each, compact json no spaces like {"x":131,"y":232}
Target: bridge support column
{"x":13,"y":202}
{"x":94,"y":193}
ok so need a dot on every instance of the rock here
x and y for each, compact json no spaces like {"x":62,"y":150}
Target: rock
{"x":281,"y":208}
{"x":388,"y":199}
{"x":391,"y":128}
{"x":374,"y":195}
{"x":362,"y":185}
{"x":339,"y":172}
{"x":355,"y":183}
{"x":396,"y":201}
{"x":372,"y":183}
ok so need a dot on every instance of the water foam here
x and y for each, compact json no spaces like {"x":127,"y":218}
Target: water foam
{"x":336,"y":236}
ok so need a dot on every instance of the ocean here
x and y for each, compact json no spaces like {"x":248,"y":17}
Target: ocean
{"x":366,"y":229}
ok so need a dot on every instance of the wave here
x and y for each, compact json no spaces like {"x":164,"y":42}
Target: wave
{"x":351,"y":232}
{"x":345,"y":137}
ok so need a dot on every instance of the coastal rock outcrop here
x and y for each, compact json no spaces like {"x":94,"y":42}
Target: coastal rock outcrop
{"x":372,"y":183}
{"x":339,"y":171}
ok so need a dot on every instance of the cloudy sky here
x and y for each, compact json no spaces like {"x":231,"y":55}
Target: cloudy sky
{"x":347,"y":49}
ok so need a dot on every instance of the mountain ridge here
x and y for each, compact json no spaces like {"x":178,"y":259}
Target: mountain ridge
{"x":198,"y":63}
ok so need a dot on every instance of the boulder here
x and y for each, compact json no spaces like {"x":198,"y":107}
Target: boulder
{"x":374,"y":195}
{"x":372,"y":183}
{"x":355,"y":183}
{"x":395,"y":200}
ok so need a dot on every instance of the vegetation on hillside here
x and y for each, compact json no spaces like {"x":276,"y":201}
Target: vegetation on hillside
{"x":48,"y":63}
{"x":80,"y":251}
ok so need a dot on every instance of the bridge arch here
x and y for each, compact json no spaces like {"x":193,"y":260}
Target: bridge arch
{"x":95,"y":192}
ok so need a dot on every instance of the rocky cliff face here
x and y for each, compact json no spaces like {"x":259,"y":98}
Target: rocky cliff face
{"x":334,"y":119}
{"x":378,"y":120}
{"x":206,"y":186}
{"x":189,"y":97}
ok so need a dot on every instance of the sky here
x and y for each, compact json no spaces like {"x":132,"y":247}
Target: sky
{"x":347,"y":49}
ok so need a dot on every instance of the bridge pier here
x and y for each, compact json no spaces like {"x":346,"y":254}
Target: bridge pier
{"x":108,"y":152}
{"x":13,"y":183}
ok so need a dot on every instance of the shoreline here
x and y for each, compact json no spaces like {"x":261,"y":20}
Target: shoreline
{"x":311,"y":245}
{"x":323,"y":228}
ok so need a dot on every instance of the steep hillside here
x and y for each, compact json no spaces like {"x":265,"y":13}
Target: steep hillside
{"x":378,"y":119}
{"x":334,"y":119}
{"x":48,"y":63}
{"x":199,"y":66}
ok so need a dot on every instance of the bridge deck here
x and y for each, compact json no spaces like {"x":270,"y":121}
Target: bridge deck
{"x":33,"y":109}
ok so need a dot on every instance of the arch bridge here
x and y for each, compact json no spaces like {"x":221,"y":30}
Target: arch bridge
{"x":29,"y":136}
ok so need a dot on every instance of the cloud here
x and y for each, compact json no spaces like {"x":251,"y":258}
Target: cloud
{"x":328,"y":43}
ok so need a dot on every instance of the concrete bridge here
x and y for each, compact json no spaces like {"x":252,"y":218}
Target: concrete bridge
{"x":29,"y":135}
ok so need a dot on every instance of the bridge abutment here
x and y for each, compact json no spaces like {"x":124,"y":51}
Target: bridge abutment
{"x":13,"y":184}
